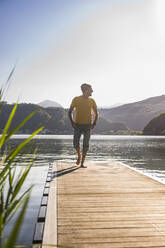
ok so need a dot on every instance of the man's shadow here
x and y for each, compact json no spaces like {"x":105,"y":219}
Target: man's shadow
{"x":64,"y":171}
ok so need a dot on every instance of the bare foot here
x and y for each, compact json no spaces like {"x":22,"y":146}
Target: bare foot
{"x":78,"y":159}
{"x":83,"y":166}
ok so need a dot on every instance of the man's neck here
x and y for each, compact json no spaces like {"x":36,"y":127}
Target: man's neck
{"x":85,"y":96}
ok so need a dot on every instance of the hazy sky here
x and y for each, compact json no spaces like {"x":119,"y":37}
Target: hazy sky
{"x":116,"y":45}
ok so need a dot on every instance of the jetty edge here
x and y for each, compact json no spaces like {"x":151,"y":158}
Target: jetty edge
{"x":50,"y":227}
{"x":104,"y":205}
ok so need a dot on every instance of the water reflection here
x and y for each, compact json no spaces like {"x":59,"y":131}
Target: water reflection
{"x":143,"y":152}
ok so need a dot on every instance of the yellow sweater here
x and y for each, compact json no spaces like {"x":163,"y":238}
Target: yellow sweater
{"x":83,"y":107}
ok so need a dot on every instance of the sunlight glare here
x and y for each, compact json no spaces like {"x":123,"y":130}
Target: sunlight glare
{"x":160,"y":16}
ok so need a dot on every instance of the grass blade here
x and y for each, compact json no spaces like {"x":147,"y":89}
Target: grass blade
{"x":16,"y":204}
{"x":9,"y":193}
{"x":2,"y":139}
{"x":12,"y":155}
{"x":20,"y":183}
{"x":20,"y":125}
{"x":14,"y":234}
{"x":6,"y":85}
{"x":9,"y":159}
{"x":8,"y":79}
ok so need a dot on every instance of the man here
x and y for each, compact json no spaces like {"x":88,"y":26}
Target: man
{"x":82,"y":122}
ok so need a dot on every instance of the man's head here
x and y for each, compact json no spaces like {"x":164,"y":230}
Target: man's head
{"x":86,"y":89}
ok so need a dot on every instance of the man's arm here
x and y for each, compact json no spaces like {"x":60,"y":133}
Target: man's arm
{"x":71,"y":116}
{"x":95,"y":118}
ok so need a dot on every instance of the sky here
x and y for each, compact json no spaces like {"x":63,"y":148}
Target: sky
{"x":117,"y":46}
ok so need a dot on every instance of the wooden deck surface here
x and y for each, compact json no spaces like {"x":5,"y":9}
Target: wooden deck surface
{"x":108,"y":205}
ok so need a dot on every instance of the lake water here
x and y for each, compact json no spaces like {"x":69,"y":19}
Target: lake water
{"x":143,"y":153}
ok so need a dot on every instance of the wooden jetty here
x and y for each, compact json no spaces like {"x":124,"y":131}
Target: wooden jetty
{"x":106,"y":205}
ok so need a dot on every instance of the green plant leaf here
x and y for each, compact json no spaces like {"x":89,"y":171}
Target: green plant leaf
{"x":13,"y":154}
{"x":1,"y":212}
{"x":20,"y":182}
{"x":3,"y":176}
{"x":15,"y":231}
{"x":9,"y":159}
{"x":8,"y":80}
{"x":12,"y":205}
{"x":2,"y":139}
{"x":6,"y":85}
{"x":20,"y":125}
{"x":13,"y":199}
{"x":15,"y":205}
{"x":9,"y":193}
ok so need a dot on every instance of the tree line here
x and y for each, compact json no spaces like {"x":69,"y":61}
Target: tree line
{"x":55,"y":120}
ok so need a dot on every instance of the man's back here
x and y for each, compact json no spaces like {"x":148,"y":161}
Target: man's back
{"x":84,"y":107}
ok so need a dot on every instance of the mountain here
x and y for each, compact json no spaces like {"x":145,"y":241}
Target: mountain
{"x":49,"y":103}
{"x":40,"y":118}
{"x":112,"y":106}
{"x":136,"y":115}
{"x":55,"y":120}
{"x":156,"y":126}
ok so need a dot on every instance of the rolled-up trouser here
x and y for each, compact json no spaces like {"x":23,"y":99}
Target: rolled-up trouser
{"x":78,"y":131}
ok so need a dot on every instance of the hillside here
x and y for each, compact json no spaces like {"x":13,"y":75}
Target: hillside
{"x":59,"y":121}
{"x":49,"y":103}
{"x":41,"y":117}
{"x":156,"y":126}
{"x":108,"y":127}
{"x":55,"y":120}
{"x":136,"y":115}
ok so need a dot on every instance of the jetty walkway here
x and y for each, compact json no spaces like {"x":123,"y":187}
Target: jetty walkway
{"x":106,"y":205}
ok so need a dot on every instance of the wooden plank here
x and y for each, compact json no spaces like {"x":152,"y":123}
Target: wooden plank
{"x":109,"y":205}
{"x":38,"y":233}
{"x":44,"y":201}
{"x":42,"y":214}
{"x":46,"y":192}
{"x":47,"y":185}
{"x":50,"y":229}
{"x":48,"y":179}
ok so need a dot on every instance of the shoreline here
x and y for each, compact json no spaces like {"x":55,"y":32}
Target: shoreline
{"x":39,"y":136}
